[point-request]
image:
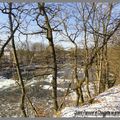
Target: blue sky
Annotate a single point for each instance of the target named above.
(34, 27)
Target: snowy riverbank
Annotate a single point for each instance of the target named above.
(106, 104)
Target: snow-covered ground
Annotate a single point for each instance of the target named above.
(6, 83)
(73, 95)
(106, 104)
(49, 87)
(31, 82)
(59, 80)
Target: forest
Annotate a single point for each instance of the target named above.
(57, 55)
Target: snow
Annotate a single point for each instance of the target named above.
(59, 80)
(61, 89)
(106, 102)
(49, 87)
(32, 83)
(73, 95)
(6, 83)
(48, 79)
(46, 87)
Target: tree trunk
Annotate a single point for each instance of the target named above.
(51, 45)
(79, 93)
(22, 106)
(99, 78)
(78, 84)
(87, 60)
(87, 82)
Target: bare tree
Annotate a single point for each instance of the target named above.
(109, 26)
(22, 105)
(49, 36)
(72, 38)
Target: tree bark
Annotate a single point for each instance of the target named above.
(79, 91)
(22, 106)
(87, 60)
(52, 48)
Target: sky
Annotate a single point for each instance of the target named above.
(34, 27)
